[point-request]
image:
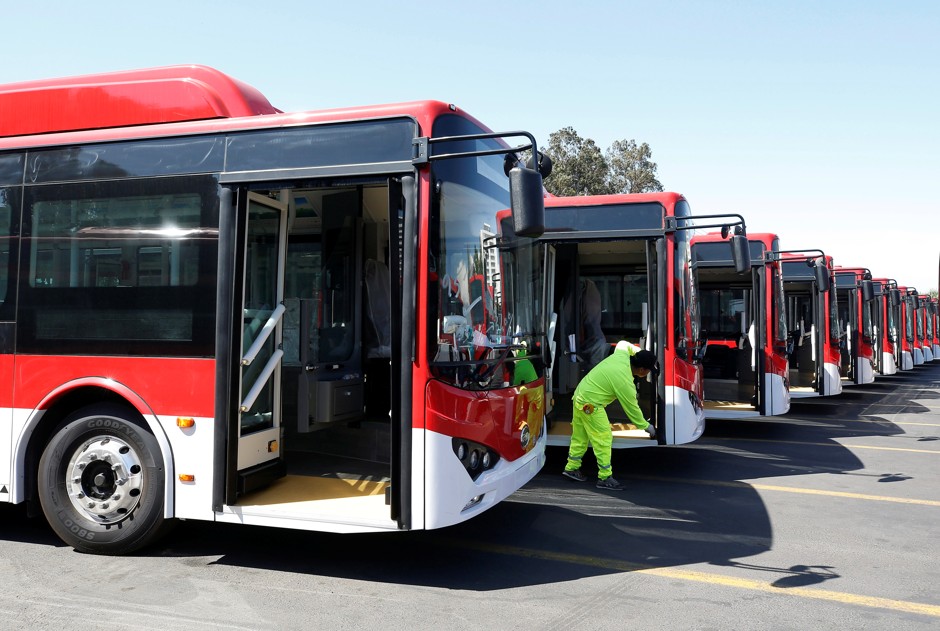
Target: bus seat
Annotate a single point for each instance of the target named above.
(376, 334)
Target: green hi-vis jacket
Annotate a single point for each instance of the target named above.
(612, 379)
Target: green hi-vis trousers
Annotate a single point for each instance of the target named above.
(590, 430)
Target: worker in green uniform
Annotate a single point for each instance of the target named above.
(611, 379)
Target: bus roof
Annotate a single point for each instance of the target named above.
(166, 101)
(133, 97)
(797, 255)
(667, 199)
(857, 271)
(768, 239)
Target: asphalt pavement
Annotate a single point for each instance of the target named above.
(823, 518)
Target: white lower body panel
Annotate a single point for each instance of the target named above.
(685, 422)
(864, 371)
(888, 365)
(832, 380)
(451, 496)
(907, 361)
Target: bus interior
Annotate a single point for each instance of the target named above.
(730, 311)
(803, 323)
(602, 295)
(333, 397)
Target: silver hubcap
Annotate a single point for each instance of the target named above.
(104, 479)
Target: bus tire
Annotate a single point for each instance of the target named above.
(101, 481)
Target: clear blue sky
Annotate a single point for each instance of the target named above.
(785, 112)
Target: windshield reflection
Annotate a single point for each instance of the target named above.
(486, 282)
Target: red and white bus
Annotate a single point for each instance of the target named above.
(813, 321)
(888, 317)
(856, 303)
(620, 269)
(214, 310)
(910, 353)
(933, 319)
(924, 327)
(744, 325)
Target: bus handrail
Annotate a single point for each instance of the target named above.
(262, 380)
(263, 336)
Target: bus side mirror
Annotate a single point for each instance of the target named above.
(868, 291)
(740, 253)
(527, 201)
(822, 277)
(894, 297)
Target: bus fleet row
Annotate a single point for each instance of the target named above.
(735, 340)
(365, 319)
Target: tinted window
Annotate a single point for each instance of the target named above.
(798, 270)
(11, 168)
(844, 281)
(166, 156)
(9, 206)
(324, 145)
(684, 294)
(120, 268)
(604, 218)
(720, 252)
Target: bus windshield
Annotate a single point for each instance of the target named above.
(485, 282)
(909, 319)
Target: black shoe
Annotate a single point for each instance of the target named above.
(609, 484)
(575, 474)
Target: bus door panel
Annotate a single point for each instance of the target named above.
(848, 319)
(7, 440)
(259, 387)
(800, 321)
(550, 313)
(331, 385)
(821, 338)
(757, 338)
(651, 393)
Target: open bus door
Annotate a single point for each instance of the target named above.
(321, 316)
(877, 324)
(548, 310)
(256, 423)
(756, 336)
(811, 301)
(603, 291)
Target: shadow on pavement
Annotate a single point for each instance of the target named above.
(683, 505)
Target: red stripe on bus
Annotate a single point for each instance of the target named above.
(168, 386)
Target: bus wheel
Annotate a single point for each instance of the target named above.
(101, 481)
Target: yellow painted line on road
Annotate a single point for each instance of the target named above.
(936, 452)
(791, 489)
(714, 579)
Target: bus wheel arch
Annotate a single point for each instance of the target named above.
(101, 480)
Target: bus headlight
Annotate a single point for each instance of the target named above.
(475, 457)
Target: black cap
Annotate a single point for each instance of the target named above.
(645, 359)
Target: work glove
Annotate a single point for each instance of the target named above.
(651, 431)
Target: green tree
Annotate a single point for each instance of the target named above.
(578, 167)
(630, 168)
